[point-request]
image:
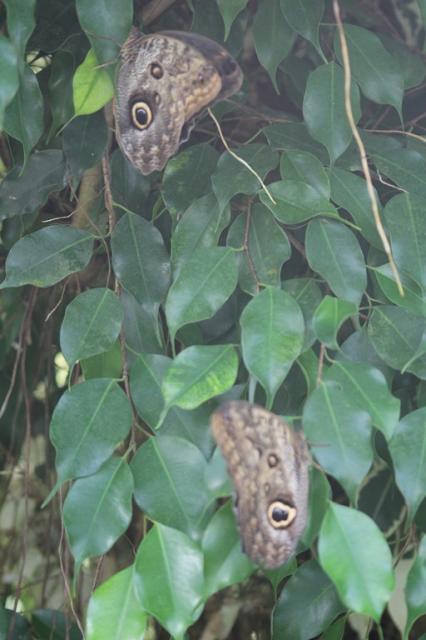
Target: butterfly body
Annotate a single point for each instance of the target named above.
(165, 81)
(268, 463)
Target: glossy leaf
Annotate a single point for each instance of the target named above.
(415, 589)
(333, 251)
(46, 256)
(405, 220)
(366, 389)
(8, 73)
(107, 24)
(140, 326)
(23, 118)
(128, 186)
(198, 228)
(23, 192)
(304, 17)
(224, 561)
(229, 10)
(413, 299)
(339, 435)
(259, 156)
(296, 202)
(169, 578)
(362, 573)
(91, 324)
(193, 426)
(273, 37)
(319, 496)
(20, 24)
(308, 295)
(84, 142)
(349, 191)
(169, 482)
(92, 86)
(272, 333)
(306, 606)
(408, 450)
(267, 248)
(305, 167)
(293, 135)
(98, 510)
(373, 67)
(329, 316)
(140, 260)
(146, 376)
(198, 374)
(114, 612)
(203, 284)
(324, 109)
(187, 177)
(87, 424)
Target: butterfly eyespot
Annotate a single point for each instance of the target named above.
(272, 460)
(157, 70)
(201, 78)
(141, 115)
(280, 514)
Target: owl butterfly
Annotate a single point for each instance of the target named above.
(165, 81)
(268, 463)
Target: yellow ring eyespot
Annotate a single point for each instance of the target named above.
(280, 514)
(141, 115)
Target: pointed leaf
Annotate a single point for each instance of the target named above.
(146, 376)
(329, 316)
(169, 578)
(296, 202)
(362, 573)
(304, 17)
(8, 74)
(92, 86)
(308, 295)
(305, 167)
(229, 10)
(415, 589)
(273, 37)
(272, 337)
(46, 256)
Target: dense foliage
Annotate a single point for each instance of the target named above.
(132, 306)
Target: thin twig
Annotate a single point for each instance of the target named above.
(361, 147)
(320, 364)
(252, 268)
(234, 155)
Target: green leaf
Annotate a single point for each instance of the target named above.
(324, 109)
(98, 510)
(140, 326)
(8, 74)
(267, 248)
(23, 119)
(140, 260)
(187, 177)
(408, 450)
(273, 38)
(203, 284)
(224, 561)
(198, 374)
(366, 389)
(413, 299)
(107, 24)
(339, 435)
(229, 10)
(46, 256)
(169, 578)
(304, 17)
(60, 89)
(193, 426)
(260, 157)
(336, 630)
(198, 228)
(104, 365)
(87, 424)
(84, 142)
(333, 251)
(405, 220)
(395, 334)
(146, 376)
(92, 86)
(406, 167)
(373, 67)
(296, 202)
(308, 295)
(306, 606)
(295, 136)
(91, 324)
(329, 316)
(415, 589)
(304, 167)
(20, 24)
(349, 191)
(128, 186)
(52, 624)
(169, 482)
(319, 496)
(362, 573)
(22, 192)
(272, 333)
(114, 612)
